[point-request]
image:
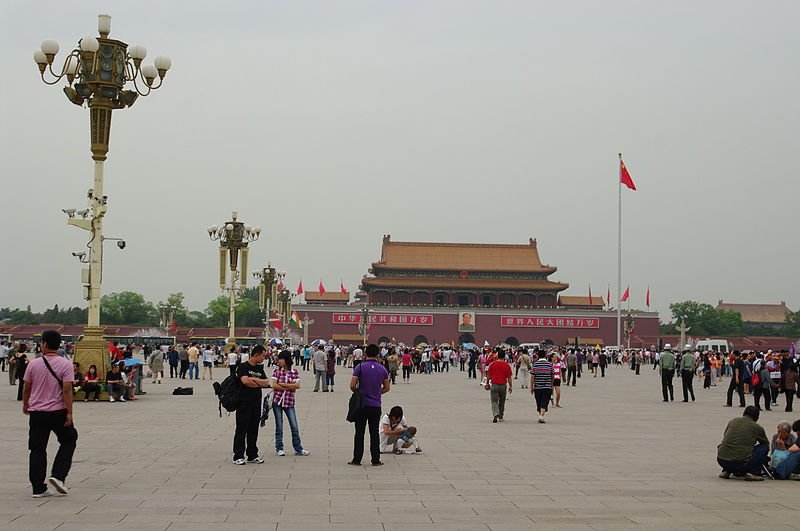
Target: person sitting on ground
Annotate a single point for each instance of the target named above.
(114, 383)
(744, 447)
(77, 384)
(129, 380)
(781, 442)
(789, 468)
(396, 434)
(90, 385)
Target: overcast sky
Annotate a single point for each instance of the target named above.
(332, 123)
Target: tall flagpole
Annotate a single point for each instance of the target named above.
(619, 258)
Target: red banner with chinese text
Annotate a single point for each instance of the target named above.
(401, 319)
(520, 321)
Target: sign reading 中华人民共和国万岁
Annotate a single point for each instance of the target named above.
(405, 319)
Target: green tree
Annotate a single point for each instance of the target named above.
(127, 307)
(706, 320)
(52, 315)
(247, 312)
(793, 324)
(23, 317)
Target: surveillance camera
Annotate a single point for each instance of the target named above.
(121, 244)
(68, 211)
(83, 213)
(79, 254)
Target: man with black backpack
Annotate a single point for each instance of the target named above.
(248, 410)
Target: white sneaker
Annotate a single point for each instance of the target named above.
(303, 452)
(110, 398)
(122, 399)
(58, 485)
(257, 461)
(280, 453)
(239, 462)
(45, 494)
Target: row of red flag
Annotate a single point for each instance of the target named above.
(624, 298)
(321, 288)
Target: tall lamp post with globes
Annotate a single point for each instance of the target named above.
(234, 237)
(104, 75)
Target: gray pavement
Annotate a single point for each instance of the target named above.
(614, 457)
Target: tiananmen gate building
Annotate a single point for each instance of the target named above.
(433, 293)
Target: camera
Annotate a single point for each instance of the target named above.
(121, 244)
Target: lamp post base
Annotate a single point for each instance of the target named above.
(231, 343)
(92, 350)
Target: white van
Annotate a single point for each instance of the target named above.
(529, 346)
(717, 345)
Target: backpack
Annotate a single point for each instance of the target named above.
(183, 391)
(228, 393)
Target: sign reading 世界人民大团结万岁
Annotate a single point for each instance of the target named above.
(404, 319)
(520, 321)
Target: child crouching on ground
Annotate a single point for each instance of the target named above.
(396, 435)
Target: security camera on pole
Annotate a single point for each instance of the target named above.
(97, 73)
(233, 236)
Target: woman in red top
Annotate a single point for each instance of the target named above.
(406, 362)
(90, 385)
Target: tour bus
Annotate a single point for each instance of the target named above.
(716, 345)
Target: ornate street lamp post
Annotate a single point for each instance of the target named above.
(97, 74)
(233, 236)
(363, 324)
(267, 292)
(284, 309)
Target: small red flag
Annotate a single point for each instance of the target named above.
(591, 301)
(300, 287)
(608, 296)
(275, 321)
(280, 286)
(647, 297)
(626, 294)
(624, 176)
(321, 288)
(342, 288)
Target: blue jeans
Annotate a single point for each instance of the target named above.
(427, 367)
(790, 465)
(193, 369)
(751, 466)
(292, 417)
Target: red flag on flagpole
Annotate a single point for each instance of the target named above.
(300, 287)
(647, 297)
(321, 287)
(591, 301)
(608, 296)
(280, 286)
(624, 176)
(341, 287)
(626, 294)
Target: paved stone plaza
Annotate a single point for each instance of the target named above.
(614, 457)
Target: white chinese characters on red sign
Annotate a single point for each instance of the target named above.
(548, 322)
(400, 319)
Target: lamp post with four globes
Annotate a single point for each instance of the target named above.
(97, 73)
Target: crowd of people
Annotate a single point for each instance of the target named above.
(745, 451)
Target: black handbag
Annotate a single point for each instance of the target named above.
(356, 407)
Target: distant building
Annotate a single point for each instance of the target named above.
(772, 315)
